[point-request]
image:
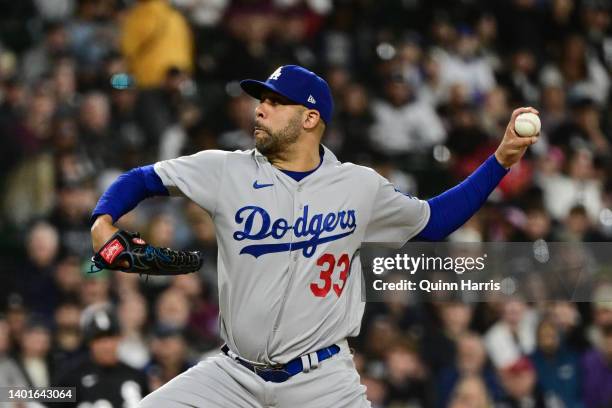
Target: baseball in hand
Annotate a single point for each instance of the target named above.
(527, 124)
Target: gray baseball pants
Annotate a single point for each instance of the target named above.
(222, 382)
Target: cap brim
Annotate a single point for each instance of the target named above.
(256, 88)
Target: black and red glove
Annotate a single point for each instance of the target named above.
(126, 251)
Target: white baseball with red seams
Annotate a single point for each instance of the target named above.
(527, 124)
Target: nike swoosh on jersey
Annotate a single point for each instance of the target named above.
(258, 186)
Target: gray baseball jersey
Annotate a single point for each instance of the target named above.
(289, 269)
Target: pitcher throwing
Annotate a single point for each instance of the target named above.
(290, 219)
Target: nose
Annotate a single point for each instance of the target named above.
(259, 111)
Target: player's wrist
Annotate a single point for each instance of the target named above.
(502, 160)
(101, 230)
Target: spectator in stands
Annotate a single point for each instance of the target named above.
(495, 109)
(203, 239)
(465, 65)
(240, 112)
(55, 10)
(95, 288)
(581, 72)
(127, 128)
(433, 90)
(132, 314)
(99, 377)
(519, 381)
(596, 367)
(513, 336)
(400, 179)
(522, 78)
(403, 124)
(10, 374)
(579, 227)
(92, 36)
(440, 341)
(154, 38)
(537, 224)
(248, 45)
(557, 368)
(470, 392)
(204, 313)
(158, 111)
(570, 324)
(602, 313)
(376, 391)
(467, 140)
(16, 98)
(38, 61)
(71, 215)
(94, 130)
(471, 362)
(202, 13)
(579, 186)
(354, 122)
(172, 309)
(36, 284)
(552, 107)
(68, 279)
(34, 358)
(67, 338)
(582, 128)
(596, 21)
(63, 81)
(169, 349)
(16, 318)
(29, 192)
(406, 376)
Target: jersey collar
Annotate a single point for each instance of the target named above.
(328, 157)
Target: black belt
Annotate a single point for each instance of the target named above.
(282, 372)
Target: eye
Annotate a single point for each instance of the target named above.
(270, 100)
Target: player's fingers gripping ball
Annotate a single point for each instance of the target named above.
(126, 251)
(527, 124)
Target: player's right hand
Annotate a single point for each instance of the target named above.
(512, 146)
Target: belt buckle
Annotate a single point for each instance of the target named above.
(268, 368)
(272, 373)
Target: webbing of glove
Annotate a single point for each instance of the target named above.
(143, 258)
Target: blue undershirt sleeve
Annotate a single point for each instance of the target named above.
(128, 190)
(454, 207)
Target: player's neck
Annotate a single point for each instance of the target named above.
(299, 158)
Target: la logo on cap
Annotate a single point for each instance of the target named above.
(311, 99)
(276, 74)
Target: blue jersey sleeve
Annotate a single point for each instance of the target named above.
(454, 207)
(127, 191)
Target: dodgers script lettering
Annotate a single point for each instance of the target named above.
(256, 224)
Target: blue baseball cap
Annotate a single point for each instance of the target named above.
(298, 85)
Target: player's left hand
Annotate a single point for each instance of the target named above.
(512, 146)
(127, 247)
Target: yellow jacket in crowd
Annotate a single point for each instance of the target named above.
(154, 38)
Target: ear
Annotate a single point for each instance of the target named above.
(311, 119)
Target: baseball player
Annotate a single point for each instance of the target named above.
(290, 219)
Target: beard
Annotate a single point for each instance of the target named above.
(273, 145)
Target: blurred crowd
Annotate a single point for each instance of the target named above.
(423, 92)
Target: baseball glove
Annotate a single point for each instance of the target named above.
(143, 258)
